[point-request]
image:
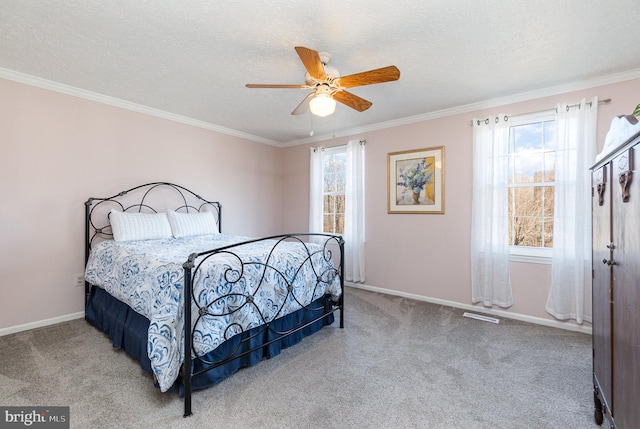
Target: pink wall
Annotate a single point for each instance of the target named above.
(428, 255)
(58, 150)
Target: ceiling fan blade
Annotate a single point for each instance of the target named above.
(261, 85)
(384, 74)
(351, 100)
(304, 106)
(312, 62)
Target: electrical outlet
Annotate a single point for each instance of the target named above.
(78, 280)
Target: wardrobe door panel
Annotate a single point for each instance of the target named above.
(626, 291)
(601, 209)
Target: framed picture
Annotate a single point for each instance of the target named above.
(415, 182)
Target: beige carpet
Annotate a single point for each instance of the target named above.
(398, 363)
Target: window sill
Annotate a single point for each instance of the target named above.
(531, 255)
(530, 259)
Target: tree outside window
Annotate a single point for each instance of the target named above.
(531, 184)
(335, 178)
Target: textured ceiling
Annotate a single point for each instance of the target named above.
(193, 57)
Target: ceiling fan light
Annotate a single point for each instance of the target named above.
(322, 105)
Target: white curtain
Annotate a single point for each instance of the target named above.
(354, 212)
(315, 189)
(354, 206)
(490, 270)
(570, 295)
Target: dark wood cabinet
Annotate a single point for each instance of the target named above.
(616, 277)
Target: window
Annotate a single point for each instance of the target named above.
(532, 203)
(531, 186)
(336, 200)
(333, 189)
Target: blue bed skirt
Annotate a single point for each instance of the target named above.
(128, 331)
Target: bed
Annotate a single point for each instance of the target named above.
(163, 283)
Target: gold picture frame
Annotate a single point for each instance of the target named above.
(415, 181)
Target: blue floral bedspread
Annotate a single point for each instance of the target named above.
(149, 277)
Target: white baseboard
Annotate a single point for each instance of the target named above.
(509, 315)
(570, 326)
(41, 323)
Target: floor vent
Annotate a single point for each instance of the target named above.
(481, 317)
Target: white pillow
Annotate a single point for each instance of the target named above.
(139, 226)
(188, 224)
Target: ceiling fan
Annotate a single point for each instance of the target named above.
(329, 86)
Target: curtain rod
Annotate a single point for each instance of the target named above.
(555, 109)
(362, 142)
(569, 106)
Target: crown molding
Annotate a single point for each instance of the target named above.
(487, 104)
(467, 108)
(116, 102)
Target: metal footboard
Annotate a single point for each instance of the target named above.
(323, 275)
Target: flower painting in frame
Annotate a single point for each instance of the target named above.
(416, 181)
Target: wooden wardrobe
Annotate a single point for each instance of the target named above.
(616, 276)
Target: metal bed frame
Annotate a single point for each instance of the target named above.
(97, 227)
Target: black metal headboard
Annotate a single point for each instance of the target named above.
(149, 198)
